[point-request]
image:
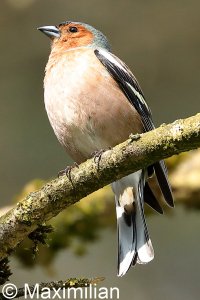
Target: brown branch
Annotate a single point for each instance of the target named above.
(137, 152)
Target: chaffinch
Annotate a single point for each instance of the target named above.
(94, 102)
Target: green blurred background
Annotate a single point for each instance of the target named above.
(160, 41)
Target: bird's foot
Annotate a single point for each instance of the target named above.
(134, 137)
(67, 171)
(98, 154)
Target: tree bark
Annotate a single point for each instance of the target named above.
(139, 151)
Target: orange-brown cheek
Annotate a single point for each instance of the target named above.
(81, 41)
(76, 41)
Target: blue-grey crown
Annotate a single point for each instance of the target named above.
(100, 40)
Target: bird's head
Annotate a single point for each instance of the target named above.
(68, 35)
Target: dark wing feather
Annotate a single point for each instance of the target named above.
(162, 178)
(150, 199)
(130, 87)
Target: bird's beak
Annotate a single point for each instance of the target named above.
(50, 31)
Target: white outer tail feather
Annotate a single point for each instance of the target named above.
(127, 249)
(133, 239)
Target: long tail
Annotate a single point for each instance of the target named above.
(134, 244)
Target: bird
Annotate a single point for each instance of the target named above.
(94, 102)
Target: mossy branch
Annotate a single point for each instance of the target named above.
(137, 152)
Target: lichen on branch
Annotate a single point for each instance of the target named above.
(137, 152)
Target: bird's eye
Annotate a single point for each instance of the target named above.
(73, 29)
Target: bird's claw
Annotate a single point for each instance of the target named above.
(98, 154)
(67, 171)
(134, 137)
